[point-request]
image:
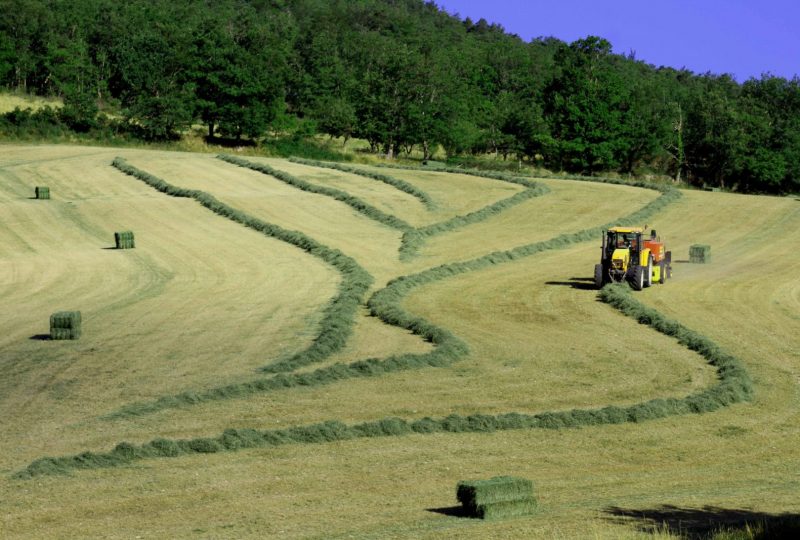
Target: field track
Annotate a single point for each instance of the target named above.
(203, 302)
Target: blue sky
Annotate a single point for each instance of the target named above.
(739, 37)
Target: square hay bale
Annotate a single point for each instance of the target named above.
(496, 498)
(65, 325)
(124, 240)
(42, 192)
(699, 253)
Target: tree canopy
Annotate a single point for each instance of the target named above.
(400, 74)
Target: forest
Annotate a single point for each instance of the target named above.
(402, 75)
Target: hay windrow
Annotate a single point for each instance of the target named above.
(413, 240)
(386, 305)
(338, 316)
(402, 185)
(733, 386)
(353, 202)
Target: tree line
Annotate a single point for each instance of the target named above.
(400, 74)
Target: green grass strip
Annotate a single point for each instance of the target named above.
(353, 202)
(385, 304)
(338, 316)
(412, 240)
(733, 386)
(402, 185)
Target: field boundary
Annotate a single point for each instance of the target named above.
(497, 174)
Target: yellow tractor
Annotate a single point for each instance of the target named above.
(628, 254)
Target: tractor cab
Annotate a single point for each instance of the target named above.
(621, 251)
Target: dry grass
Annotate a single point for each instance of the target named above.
(9, 102)
(207, 301)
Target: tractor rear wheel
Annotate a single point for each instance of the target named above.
(599, 278)
(638, 278)
(662, 276)
(648, 277)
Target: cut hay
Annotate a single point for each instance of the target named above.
(124, 240)
(65, 325)
(496, 498)
(42, 192)
(699, 253)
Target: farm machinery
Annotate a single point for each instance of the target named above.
(629, 254)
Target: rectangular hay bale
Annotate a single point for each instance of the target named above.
(699, 253)
(498, 497)
(42, 192)
(506, 509)
(124, 240)
(65, 325)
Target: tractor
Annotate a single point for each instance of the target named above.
(628, 254)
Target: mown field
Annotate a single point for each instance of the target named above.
(275, 304)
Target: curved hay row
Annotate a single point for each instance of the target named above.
(734, 386)
(402, 185)
(734, 382)
(413, 238)
(336, 325)
(354, 202)
(384, 304)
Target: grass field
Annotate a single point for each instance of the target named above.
(203, 302)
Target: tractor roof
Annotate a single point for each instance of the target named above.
(626, 229)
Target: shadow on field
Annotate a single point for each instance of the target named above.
(580, 283)
(451, 511)
(702, 523)
(228, 142)
(40, 337)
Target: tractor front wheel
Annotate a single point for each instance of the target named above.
(599, 276)
(662, 275)
(638, 278)
(648, 277)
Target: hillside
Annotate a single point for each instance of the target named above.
(223, 318)
(403, 76)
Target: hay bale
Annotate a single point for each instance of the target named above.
(42, 192)
(498, 497)
(124, 240)
(506, 509)
(699, 253)
(65, 325)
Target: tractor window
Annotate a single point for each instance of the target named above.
(622, 240)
